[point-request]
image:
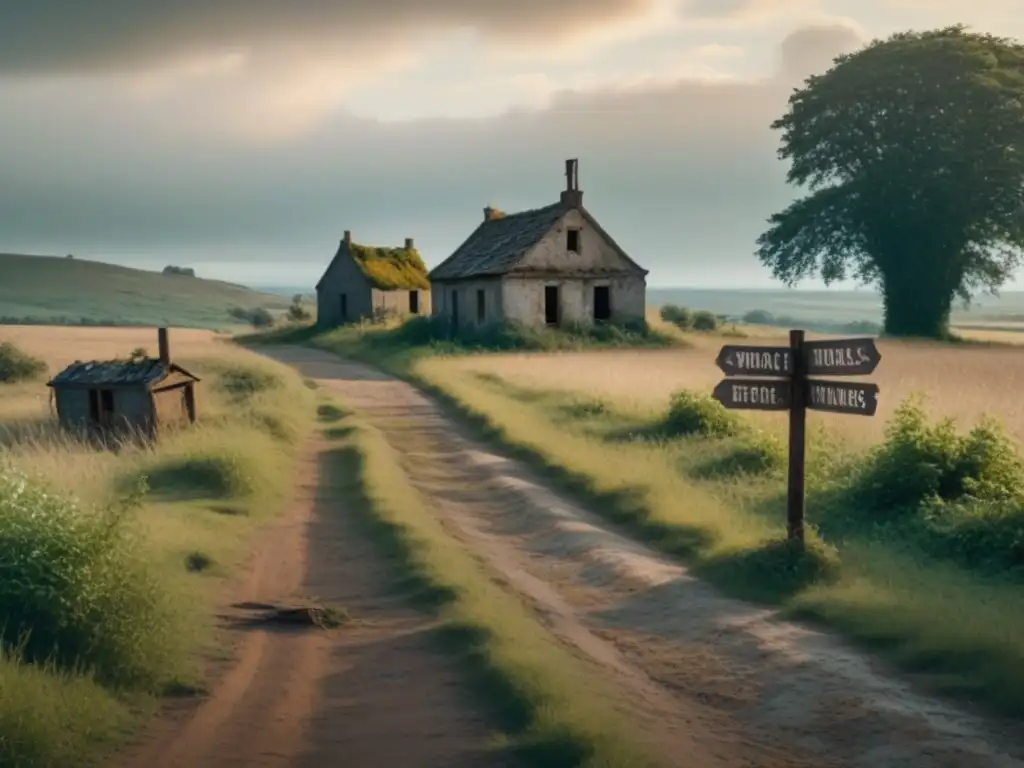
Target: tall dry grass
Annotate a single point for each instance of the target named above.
(962, 381)
(207, 488)
(934, 584)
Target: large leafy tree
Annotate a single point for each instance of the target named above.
(912, 150)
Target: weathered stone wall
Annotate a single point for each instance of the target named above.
(468, 291)
(596, 254)
(343, 277)
(523, 299)
(398, 303)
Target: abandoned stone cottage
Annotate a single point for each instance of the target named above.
(553, 266)
(365, 281)
(122, 397)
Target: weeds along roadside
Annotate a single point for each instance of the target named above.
(113, 558)
(934, 584)
(931, 583)
(551, 711)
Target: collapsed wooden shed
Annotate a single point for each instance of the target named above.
(122, 397)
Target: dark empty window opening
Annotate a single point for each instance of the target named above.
(101, 405)
(344, 307)
(551, 304)
(481, 305)
(455, 309)
(572, 240)
(602, 302)
(414, 302)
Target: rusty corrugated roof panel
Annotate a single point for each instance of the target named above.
(142, 372)
(496, 245)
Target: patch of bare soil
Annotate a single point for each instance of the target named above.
(308, 685)
(716, 681)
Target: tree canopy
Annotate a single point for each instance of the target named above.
(912, 150)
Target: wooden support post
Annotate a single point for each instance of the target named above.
(797, 438)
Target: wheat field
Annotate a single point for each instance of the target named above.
(959, 381)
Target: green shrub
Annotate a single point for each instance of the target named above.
(241, 381)
(75, 591)
(261, 318)
(17, 365)
(704, 321)
(678, 316)
(778, 567)
(691, 413)
(201, 476)
(759, 317)
(297, 313)
(757, 454)
(923, 463)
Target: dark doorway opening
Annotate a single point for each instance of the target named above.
(551, 304)
(602, 302)
(414, 302)
(455, 309)
(481, 305)
(572, 240)
(101, 406)
(344, 307)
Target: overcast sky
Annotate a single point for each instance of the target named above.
(242, 137)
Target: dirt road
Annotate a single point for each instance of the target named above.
(715, 681)
(376, 694)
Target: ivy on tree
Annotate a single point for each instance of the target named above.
(912, 150)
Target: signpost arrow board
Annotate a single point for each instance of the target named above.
(755, 361)
(753, 394)
(841, 357)
(842, 397)
(786, 387)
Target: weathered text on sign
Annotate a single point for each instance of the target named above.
(841, 357)
(842, 397)
(753, 394)
(737, 360)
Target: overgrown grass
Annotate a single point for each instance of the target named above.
(108, 558)
(396, 344)
(16, 365)
(905, 574)
(553, 713)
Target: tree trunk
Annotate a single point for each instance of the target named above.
(917, 305)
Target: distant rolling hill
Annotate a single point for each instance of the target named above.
(49, 289)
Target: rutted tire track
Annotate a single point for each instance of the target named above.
(705, 674)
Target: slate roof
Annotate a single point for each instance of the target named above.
(496, 245)
(142, 372)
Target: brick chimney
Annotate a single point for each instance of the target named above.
(572, 196)
(409, 244)
(163, 345)
(348, 237)
(488, 213)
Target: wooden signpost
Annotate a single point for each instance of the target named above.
(777, 379)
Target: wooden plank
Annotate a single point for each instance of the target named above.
(753, 394)
(842, 357)
(745, 360)
(849, 397)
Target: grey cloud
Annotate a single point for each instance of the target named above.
(717, 8)
(72, 36)
(812, 49)
(684, 175)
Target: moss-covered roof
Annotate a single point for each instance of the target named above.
(390, 269)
